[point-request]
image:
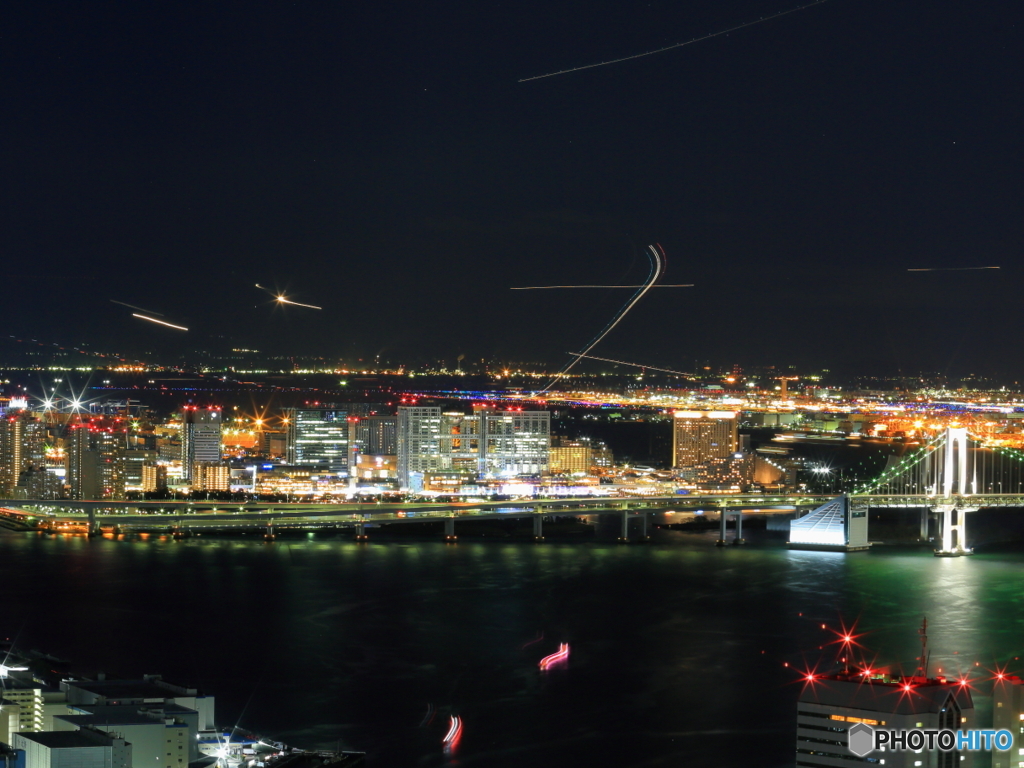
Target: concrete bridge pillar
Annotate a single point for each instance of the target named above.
(723, 518)
(449, 530)
(361, 532)
(925, 514)
(953, 530)
(739, 529)
(538, 527)
(643, 527)
(624, 534)
(93, 528)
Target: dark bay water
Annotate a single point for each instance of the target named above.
(677, 647)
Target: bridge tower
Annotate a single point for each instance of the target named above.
(957, 486)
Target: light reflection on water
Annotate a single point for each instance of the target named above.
(678, 648)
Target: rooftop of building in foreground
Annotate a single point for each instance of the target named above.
(878, 691)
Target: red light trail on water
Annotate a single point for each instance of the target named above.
(559, 656)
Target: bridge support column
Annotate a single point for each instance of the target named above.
(739, 529)
(361, 532)
(925, 514)
(538, 528)
(624, 535)
(723, 518)
(94, 528)
(643, 527)
(953, 530)
(449, 530)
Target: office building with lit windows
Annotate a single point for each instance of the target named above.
(831, 704)
(200, 437)
(1008, 714)
(482, 445)
(699, 436)
(319, 436)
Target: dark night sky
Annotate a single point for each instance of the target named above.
(381, 160)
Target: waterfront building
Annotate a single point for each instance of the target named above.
(1008, 714)
(22, 439)
(128, 470)
(211, 476)
(200, 437)
(73, 749)
(154, 477)
(319, 436)
(89, 453)
(159, 734)
(699, 436)
(483, 445)
(570, 457)
(829, 705)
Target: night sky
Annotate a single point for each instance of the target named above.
(382, 161)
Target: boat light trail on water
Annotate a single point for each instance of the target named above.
(161, 322)
(454, 731)
(561, 655)
(623, 362)
(132, 306)
(948, 269)
(548, 287)
(657, 254)
(676, 45)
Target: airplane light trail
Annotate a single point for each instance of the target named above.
(161, 322)
(547, 287)
(132, 306)
(676, 45)
(948, 269)
(623, 362)
(658, 254)
(283, 300)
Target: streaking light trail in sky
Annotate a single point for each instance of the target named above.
(657, 254)
(676, 45)
(948, 269)
(623, 362)
(161, 322)
(132, 306)
(283, 300)
(548, 287)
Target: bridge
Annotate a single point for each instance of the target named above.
(948, 477)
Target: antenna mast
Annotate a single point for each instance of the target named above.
(922, 668)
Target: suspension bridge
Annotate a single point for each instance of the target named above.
(950, 476)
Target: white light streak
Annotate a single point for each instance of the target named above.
(623, 362)
(132, 306)
(677, 45)
(548, 287)
(283, 300)
(161, 322)
(657, 253)
(948, 269)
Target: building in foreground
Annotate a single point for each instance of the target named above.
(86, 748)
(829, 705)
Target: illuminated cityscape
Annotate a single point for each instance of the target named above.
(358, 360)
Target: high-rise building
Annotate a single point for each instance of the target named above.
(829, 705)
(699, 436)
(485, 444)
(418, 442)
(128, 469)
(89, 455)
(154, 477)
(376, 434)
(1008, 714)
(200, 437)
(319, 436)
(22, 438)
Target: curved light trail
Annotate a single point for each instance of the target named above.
(658, 255)
(677, 45)
(561, 655)
(160, 322)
